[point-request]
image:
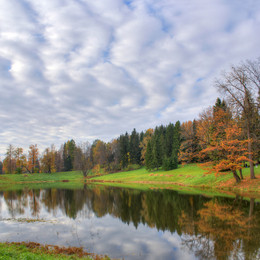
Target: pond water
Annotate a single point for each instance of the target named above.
(132, 224)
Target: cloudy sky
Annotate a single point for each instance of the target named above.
(87, 69)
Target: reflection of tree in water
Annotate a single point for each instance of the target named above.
(211, 228)
(15, 201)
(225, 229)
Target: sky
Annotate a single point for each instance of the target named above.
(86, 70)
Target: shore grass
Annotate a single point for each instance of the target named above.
(187, 177)
(35, 251)
(191, 177)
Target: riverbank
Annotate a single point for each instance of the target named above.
(35, 251)
(189, 177)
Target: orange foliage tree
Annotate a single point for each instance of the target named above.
(226, 147)
(33, 158)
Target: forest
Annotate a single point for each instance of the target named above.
(224, 137)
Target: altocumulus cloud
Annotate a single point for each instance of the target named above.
(94, 69)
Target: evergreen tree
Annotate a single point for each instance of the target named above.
(156, 152)
(149, 156)
(124, 150)
(134, 149)
(169, 139)
(176, 145)
(69, 149)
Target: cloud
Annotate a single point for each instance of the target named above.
(84, 70)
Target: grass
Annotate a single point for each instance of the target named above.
(190, 177)
(35, 251)
(186, 177)
(73, 179)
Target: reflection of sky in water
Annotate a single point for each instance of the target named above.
(106, 235)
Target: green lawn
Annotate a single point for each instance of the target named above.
(34, 251)
(190, 176)
(73, 179)
(186, 177)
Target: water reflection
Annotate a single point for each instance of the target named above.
(135, 224)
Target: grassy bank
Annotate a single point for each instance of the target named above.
(72, 179)
(189, 178)
(35, 251)
(186, 177)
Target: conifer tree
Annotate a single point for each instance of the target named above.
(149, 156)
(169, 139)
(134, 149)
(176, 145)
(124, 150)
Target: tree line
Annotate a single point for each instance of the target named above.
(225, 137)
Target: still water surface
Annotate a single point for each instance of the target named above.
(132, 224)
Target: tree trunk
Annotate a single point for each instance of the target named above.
(236, 176)
(241, 174)
(252, 172)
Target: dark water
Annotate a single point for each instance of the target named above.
(131, 224)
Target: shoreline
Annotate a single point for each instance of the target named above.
(188, 177)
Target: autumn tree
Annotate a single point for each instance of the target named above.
(1, 167)
(186, 151)
(113, 156)
(83, 160)
(59, 163)
(190, 147)
(99, 153)
(33, 158)
(241, 86)
(9, 163)
(143, 144)
(20, 158)
(48, 160)
(226, 147)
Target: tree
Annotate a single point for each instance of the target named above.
(124, 150)
(169, 139)
(20, 158)
(149, 156)
(134, 149)
(83, 160)
(48, 160)
(113, 150)
(9, 163)
(186, 148)
(99, 153)
(241, 86)
(59, 163)
(33, 158)
(176, 145)
(1, 167)
(229, 151)
(68, 154)
(143, 145)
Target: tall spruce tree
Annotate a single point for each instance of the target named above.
(134, 148)
(124, 150)
(176, 145)
(156, 152)
(169, 139)
(149, 156)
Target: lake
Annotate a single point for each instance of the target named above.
(133, 224)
